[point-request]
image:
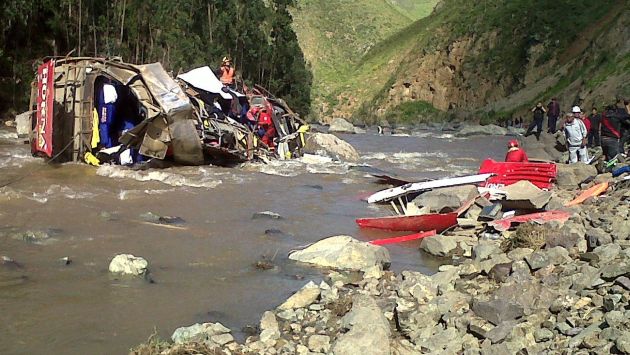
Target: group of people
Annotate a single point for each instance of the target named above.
(258, 118)
(610, 130)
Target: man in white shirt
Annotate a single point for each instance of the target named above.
(576, 136)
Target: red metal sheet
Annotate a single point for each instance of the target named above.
(44, 115)
(404, 238)
(539, 217)
(425, 222)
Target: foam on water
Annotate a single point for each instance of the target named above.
(133, 194)
(173, 176)
(16, 159)
(54, 191)
(313, 164)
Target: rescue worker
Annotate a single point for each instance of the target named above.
(553, 112)
(266, 130)
(515, 154)
(576, 133)
(539, 115)
(227, 73)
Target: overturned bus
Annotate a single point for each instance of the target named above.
(104, 110)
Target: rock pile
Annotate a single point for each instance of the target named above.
(557, 288)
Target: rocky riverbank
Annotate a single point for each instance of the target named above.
(553, 288)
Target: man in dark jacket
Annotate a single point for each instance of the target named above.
(539, 116)
(553, 111)
(593, 133)
(611, 126)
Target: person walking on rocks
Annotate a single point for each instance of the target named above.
(553, 112)
(576, 134)
(611, 129)
(539, 116)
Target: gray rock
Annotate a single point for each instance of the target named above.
(519, 253)
(446, 198)
(330, 145)
(525, 195)
(339, 125)
(476, 130)
(497, 311)
(623, 343)
(500, 272)
(614, 270)
(319, 343)
(569, 235)
(23, 123)
(614, 318)
(542, 258)
(303, 298)
(343, 252)
(266, 215)
(597, 237)
(607, 253)
(501, 331)
(369, 330)
(485, 249)
(198, 332)
(570, 175)
(623, 282)
(128, 264)
(222, 339)
(439, 245)
(542, 335)
(64, 261)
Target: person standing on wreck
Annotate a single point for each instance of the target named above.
(539, 116)
(227, 73)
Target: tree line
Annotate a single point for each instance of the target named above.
(182, 34)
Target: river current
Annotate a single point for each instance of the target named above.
(202, 269)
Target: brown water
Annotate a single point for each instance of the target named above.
(202, 271)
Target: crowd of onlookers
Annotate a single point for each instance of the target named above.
(609, 129)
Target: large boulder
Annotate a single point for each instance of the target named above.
(570, 175)
(488, 130)
(128, 264)
(23, 123)
(339, 125)
(330, 145)
(344, 253)
(525, 195)
(200, 333)
(450, 198)
(368, 329)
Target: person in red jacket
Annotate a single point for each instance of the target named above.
(515, 154)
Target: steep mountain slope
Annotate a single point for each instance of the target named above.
(335, 35)
(414, 9)
(491, 59)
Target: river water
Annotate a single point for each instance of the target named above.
(203, 268)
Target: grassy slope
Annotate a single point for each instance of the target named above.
(335, 35)
(520, 24)
(414, 9)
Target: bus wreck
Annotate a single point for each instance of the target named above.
(100, 110)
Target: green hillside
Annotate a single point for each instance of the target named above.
(335, 35)
(491, 59)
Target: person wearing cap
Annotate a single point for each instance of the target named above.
(576, 134)
(539, 116)
(515, 154)
(227, 72)
(553, 112)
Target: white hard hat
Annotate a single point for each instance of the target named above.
(576, 109)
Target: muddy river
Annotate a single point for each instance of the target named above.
(202, 268)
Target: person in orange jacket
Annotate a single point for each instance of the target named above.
(227, 73)
(515, 154)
